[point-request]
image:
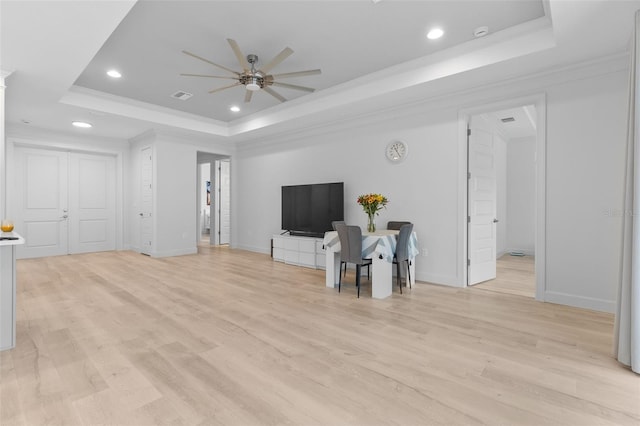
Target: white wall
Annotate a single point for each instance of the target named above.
(521, 195)
(502, 197)
(175, 191)
(586, 127)
(175, 198)
(422, 189)
(585, 150)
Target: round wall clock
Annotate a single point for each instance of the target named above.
(396, 151)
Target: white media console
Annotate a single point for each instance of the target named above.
(300, 251)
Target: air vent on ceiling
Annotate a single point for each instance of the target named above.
(507, 119)
(183, 96)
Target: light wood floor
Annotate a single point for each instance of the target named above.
(231, 338)
(514, 275)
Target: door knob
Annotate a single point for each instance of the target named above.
(141, 214)
(64, 216)
(495, 221)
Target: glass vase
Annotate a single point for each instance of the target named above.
(371, 224)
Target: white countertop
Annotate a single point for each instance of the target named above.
(20, 240)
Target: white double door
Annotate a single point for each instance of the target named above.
(64, 202)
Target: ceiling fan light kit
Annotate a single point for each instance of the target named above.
(254, 80)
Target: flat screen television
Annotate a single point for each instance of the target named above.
(308, 210)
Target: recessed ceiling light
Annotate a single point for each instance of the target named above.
(82, 124)
(435, 33)
(235, 108)
(114, 74)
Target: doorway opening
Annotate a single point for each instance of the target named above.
(213, 204)
(504, 197)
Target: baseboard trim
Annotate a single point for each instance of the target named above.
(524, 251)
(580, 301)
(254, 249)
(170, 253)
(446, 280)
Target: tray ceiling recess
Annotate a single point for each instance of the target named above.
(254, 80)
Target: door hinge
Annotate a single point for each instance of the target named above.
(468, 262)
(468, 131)
(468, 219)
(468, 175)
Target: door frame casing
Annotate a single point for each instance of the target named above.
(213, 159)
(13, 142)
(464, 115)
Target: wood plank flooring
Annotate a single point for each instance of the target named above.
(228, 337)
(514, 275)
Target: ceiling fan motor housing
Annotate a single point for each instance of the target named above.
(252, 80)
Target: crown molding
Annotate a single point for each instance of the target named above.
(523, 86)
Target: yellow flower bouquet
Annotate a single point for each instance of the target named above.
(372, 203)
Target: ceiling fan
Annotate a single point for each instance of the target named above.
(252, 79)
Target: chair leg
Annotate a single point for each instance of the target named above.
(398, 277)
(345, 269)
(358, 279)
(340, 278)
(409, 273)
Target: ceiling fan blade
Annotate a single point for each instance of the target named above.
(293, 86)
(223, 88)
(297, 74)
(242, 60)
(274, 94)
(286, 52)
(209, 62)
(208, 76)
(247, 96)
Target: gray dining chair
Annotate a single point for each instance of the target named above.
(333, 225)
(351, 251)
(337, 222)
(402, 253)
(395, 225)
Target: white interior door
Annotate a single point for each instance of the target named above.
(225, 202)
(146, 200)
(481, 207)
(92, 202)
(40, 202)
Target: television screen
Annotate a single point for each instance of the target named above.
(310, 209)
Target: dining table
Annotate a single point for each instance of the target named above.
(380, 247)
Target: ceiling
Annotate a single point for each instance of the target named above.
(347, 39)
(523, 125)
(373, 56)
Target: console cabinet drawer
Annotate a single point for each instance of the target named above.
(300, 251)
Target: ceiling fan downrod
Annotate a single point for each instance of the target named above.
(254, 80)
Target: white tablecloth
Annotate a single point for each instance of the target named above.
(381, 243)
